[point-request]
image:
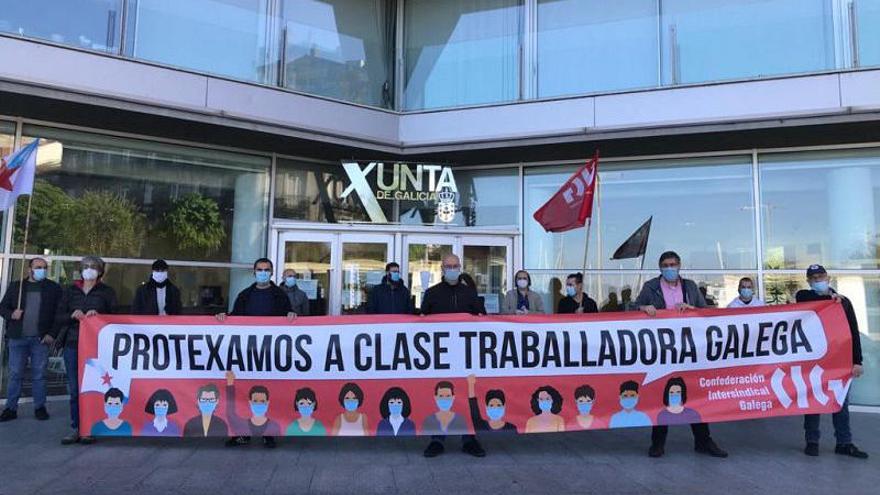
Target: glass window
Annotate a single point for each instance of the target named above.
(701, 208)
(88, 24)
(461, 52)
(316, 192)
(821, 207)
(7, 139)
(864, 293)
(341, 48)
(136, 199)
(589, 46)
(709, 40)
(224, 37)
(868, 29)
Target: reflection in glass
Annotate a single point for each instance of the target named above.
(461, 52)
(225, 37)
(702, 209)
(363, 266)
(87, 24)
(588, 46)
(312, 263)
(821, 207)
(128, 198)
(863, 291)
(710, 40)
(488, 267)
(341, 49)
(868, 29)
(424, 269)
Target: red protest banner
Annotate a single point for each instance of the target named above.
(402, 375)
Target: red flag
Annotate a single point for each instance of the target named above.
(572, 205)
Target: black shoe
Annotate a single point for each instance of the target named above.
(237, 441)
(86, 440)
(71, 439)
(710, 448)
(269, 442)
(8, 415)
(656, 450)
(850, 450)
(41, 414)
(473, 448)
(434, 449)
(812, 449)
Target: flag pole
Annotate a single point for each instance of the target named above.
(587, 245)
(27, 226)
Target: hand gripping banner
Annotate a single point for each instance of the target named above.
(454, 374)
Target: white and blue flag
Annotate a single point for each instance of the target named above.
(17, 174)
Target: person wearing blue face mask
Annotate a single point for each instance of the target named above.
(495, 410)
(112, 425)
(821, 290)
(299, 301)
(306, 403)
(584, 399)
(395, 408)
(445, 421)
(576, 300)
(206, 423)
(263, 297)
(29, 308)
(391, 296)
(747, 297)
(628, 416)
(160, 405)
(351, 423)
(675, 398)
(450, 295)
(258, 424)
(546, 403)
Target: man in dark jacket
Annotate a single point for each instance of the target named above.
(391, 296)
(30, 330)
(451, 296)
(820, 290)
(262, 298)
(83, 299)
(157, 296)
(299, 301)
(670, 291)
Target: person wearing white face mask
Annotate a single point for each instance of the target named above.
(747, 297)
(157, 296)
(522, 300)
(83, 299)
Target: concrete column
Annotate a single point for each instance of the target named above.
(249, 224)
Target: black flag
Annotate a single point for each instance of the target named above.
(636, 245)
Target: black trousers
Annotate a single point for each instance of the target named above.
(700, 431)
(464, 438)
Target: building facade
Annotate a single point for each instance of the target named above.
(336, 135)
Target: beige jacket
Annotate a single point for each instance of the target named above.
(536, 304)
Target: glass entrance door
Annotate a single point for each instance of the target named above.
(487, 259)
(363, 265)
(311, 256)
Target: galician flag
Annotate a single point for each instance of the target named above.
(17, 174)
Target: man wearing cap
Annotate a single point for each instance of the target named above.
(158, 295)
(820, 290)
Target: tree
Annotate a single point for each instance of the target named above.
(106, 223)
(49, 226)
(194, 223)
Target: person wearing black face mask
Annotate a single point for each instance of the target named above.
(391, 296)
(158, 295)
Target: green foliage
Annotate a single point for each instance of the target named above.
(194, 223)
(50, 210)
(106, 223)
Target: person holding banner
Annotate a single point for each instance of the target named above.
(158, 295)
(451, 296)
(390, 297)
(671, 291)
(30, 330)
(83, 299)
(575, 300)
(820, 290)
(747, 297)
(522, 300)
(261, 298)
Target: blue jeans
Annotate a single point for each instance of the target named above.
(841, 426)
(71, 366)
(20, 350)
